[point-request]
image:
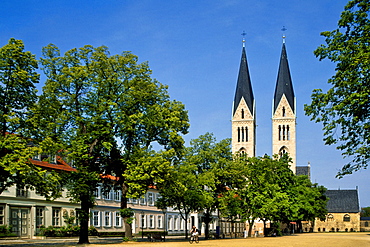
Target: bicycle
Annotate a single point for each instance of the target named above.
(194, 238)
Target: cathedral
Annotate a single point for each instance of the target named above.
(283, 112)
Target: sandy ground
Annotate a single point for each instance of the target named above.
(302, 240)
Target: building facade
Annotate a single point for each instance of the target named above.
(343, 212)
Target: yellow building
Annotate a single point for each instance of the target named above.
(343, 212)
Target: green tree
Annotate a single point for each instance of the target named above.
(213, 161)
(309, 201)
(71, 113)
(265, 195)
(107, 112)
(180, 190)
(18, 77)
(344, 108)
(365, 212)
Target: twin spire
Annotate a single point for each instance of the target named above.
(284, 85)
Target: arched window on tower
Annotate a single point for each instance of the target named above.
(238, 134)
(242, 134)
(283, 112)
(284, 133)
(242, 113)
(287, 133)
(246, 133)
(279, 130)
(242, 152)
(282, 151)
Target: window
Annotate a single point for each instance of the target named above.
(117, 195)
(107, 195)
(96, 218)
(2, 214)
(39, 216)
(21, 192)
(160, 221)
(107, 219)
(283, 112)
(169, 223)
(246, 134)
(151, 221)
(366, 223)
(176, 223)
(150, 199)
(242, 113)
(279, 131)
(97, 193)
(346, 218)
(238, 134)
(56, 217)
(288, 133)
(52, 158)
(142, 220)
(330, 217)
(134, 201)
(143, 200)
(117, 219)
(37, 157)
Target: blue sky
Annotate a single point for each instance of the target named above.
(194, 47)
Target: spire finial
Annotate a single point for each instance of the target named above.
(243, 34)
(283, 29)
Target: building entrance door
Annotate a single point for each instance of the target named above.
(20, 221)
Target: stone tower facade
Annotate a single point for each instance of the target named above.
(284, 113)
(244, 112)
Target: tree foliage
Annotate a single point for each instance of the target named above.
(204, 172)
(18, 77)
(365, 212)
(106, 112)
(344, 108)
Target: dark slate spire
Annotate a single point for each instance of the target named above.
(284, 83)
(244, 85)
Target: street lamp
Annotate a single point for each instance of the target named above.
(164, 211)
(142, 223)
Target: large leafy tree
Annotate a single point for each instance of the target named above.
(205, 171)
(344, 108)
(309, 201)
(265, 196)
(69, 113)
(213, 164)
(180, 190)
(107, 111)
(18, 77)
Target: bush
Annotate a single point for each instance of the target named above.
(6, 231)
(93, 231)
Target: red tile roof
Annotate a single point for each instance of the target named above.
(60, 165)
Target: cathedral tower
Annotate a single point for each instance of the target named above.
(243, 112)
(284, 112)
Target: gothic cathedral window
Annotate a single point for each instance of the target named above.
(238, 134)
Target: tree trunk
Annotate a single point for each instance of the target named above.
(207, 220)
(128, 227)
(250, 222)
(84, 220)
